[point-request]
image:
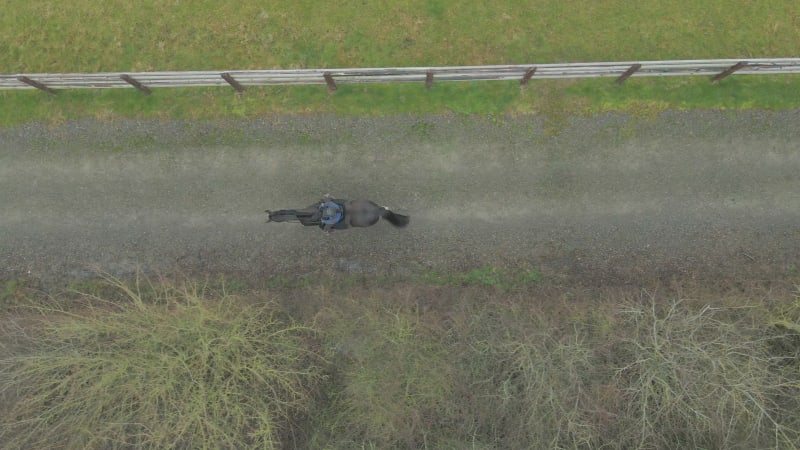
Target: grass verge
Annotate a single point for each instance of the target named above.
(94, 35)
(402, 365)
(550, 98)
(114, 35)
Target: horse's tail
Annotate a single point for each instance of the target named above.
(397, 220)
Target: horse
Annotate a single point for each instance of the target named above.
(354, 213)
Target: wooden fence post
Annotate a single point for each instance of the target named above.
(142, 88)
(729, 70)
(428, 79)
(527, 77)
(627, 74)
(329, 81)
(36, 84)
(235, 84)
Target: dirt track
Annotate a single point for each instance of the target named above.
(609, 199)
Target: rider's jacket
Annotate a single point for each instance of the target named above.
(332, 213)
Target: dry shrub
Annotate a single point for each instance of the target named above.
(394, 382)
(176, 371)
(534, 369)
(693, 379)
(408, 366)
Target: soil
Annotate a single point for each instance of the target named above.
(605, 200)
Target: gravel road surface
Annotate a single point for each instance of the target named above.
(607, 199)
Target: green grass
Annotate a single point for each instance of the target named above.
(10, 292)
(116, 35)
(504, 279)
(637, 95)
(95, 36)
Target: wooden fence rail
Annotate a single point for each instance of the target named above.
(239, 80)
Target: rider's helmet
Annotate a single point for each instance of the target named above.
(331, 212)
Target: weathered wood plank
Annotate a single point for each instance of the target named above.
(235, 84)
(627, 74)
(36, 84)
(527, 77)
(738, 66)
(329, 81)
(133, 82)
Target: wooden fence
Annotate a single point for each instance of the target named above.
(715, 69)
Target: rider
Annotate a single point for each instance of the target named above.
(332, 213)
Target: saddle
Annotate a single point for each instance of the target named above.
(333, 213)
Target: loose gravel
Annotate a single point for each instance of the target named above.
(607, 199)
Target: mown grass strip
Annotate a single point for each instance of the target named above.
(93, 35)
(546, 97)
(116, 35)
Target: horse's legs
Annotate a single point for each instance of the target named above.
(306, 216)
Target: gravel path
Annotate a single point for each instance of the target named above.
(609, 199)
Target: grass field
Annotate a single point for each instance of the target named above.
(123, 36)
(470, 362)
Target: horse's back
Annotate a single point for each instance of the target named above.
(362, 206)
(362, 213)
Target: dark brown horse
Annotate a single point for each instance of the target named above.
(351, 213)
